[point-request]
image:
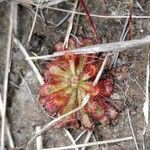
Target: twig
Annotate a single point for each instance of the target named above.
(79, 136)
(122, 38)
(88, 136)
(15, 17)
(139, 5)
(146, 103)
(114, 47)
(34, 20)
(76, 24)
(125, 31)
(39, 143)
(71, 138)
(131, 127)
(7, 70)
(8, 133)
(94, 139)
(90, 20)
(53, 2)
(98, 16)
(143, 140)
(92, 144)
(59, 23)
(31, 10)
(99, 74)
(84, 102)
(70, 25)
(30, 62)
(130, 19)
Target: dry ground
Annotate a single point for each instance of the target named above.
(23, 111)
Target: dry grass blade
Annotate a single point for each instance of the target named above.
(122, 38)
(126, 30)
(94, 139)
(30, 62)
(61, 22)
(92, 144)
(109, 47)
(139, 5)
(71, 138)
(70, 25)
(98, 16)
(7, 70)
(8, 133)
(34, 21)
(39, 142)
(80, 135)
(146, 104)
(84, 102)
(132, 130)
(52, 2)
(88, 136)
(53, 122)
(15, 17)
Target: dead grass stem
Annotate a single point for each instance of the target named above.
(6, 75)
(98, 16)
(70, 25)
(30, 62)
(92, 143)
(108, 47)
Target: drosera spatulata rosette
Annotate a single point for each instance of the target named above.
(67, 81)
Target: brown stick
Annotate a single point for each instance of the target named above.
(130, 19)
(90, 20)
